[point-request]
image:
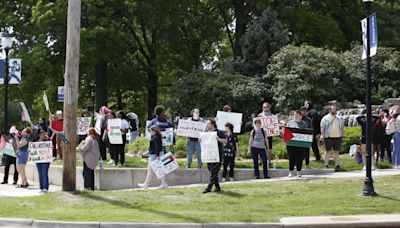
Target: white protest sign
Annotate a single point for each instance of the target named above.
(270, 124)
(6, 148)
(41, 152)
(83, 124)
(209, 147)
(231, 117)
(158, 168)
(190, 128)
(148, 133)
(114, 131)
(46, 101)
(26, 116)
(168, 137)
(97, 125)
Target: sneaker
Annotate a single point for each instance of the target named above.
(223, 179)
(162, 186)
(217, 189)
(45, 190)
(308, 167)
(143, 185)
(207, 190)
(4, 182)
(111, 162)
(231, 179)
(299, 174)
(337, 168)
(373, 167)
(364, 168)
(290, 174)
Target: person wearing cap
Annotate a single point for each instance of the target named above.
(155, 152)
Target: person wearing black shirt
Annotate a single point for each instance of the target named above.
(315, 120)
(230, 152)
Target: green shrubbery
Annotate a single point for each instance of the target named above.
(351, 136)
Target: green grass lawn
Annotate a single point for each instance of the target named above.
(245, 202)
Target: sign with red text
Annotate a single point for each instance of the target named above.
(270, 124)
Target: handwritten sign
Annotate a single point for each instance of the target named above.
(168, 137)
(7, 150)
(41, 152)
(190, 128)
(165, 165)
(114, 131)
(231, 117)
(209, 147)
(270, 124)
(83, 124)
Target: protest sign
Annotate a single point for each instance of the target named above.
(57, 126)
(168, 137)
(83, 124)
(270, 124)
(114, 131)
(6, 148)
(148, 133)
(41, 152)
(26, 116)
(209, 147)
(189, 128)
(46, 102)
(231, 117)
(165, 165)
(97, 125)
(298, 137)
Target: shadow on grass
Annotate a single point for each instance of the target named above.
(231, 194)
(132, 206)
(388, 198)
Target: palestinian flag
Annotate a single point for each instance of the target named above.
(298, 137)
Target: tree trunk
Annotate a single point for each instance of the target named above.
(101, 76)
(241, 23)
(152, 87)
(71, 86)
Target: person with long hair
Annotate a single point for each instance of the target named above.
(23, 154)
(90, 154)
(386, 144)
(120, 152)
(296, 153)
(43, 168)
(231, 152)
(193, 143)
(155, 152)
(258, 147)
(215, 167)
(113, 148)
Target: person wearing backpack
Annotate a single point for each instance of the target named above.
(133, 120)
(258, 146)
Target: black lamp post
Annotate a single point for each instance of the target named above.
(368, 182)
(6, 42)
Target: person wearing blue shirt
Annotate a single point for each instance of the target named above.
(215, 167)
(161, 119)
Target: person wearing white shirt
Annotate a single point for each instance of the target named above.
(120, 151)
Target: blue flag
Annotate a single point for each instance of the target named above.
(373, 36)
(1, 70)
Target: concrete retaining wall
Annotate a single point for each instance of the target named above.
(127, 178)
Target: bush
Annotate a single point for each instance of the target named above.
(351, 136)
(140, 145)
(180, 147)
(278, 149)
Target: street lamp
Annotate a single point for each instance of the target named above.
(368, 182)
(6, 42)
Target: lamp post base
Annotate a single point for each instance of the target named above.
(369, 187)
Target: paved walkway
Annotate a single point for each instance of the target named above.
(9, 190)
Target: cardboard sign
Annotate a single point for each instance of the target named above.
(190, 128)
(209, 147)
(168, 137)
(270, 124)
(26, 116)
(57, 126)
(46, 101)
(97, 125)
(41, 152)
(83, 125)
(231, 117)
(114, 131)
(6, 148)
(165, 165)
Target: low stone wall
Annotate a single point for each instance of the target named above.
(128, 178)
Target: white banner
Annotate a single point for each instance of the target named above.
(97, 125)
(190, 128)
(41, 152)
(270, 124)
(46, 101)
(114, 131)
(25, 112)
(15, 70)
(148, 133)
(209, 147)
(83, 125)
(231, 117)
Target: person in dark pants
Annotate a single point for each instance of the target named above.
(9, 161)
(315, 120)
(258, 143)
(43, 168)
(308, 121)
(104, 111)
(120, 152)
(231, 151)
(91, 154)
(295, 153)
(386, 143)
(215, 167)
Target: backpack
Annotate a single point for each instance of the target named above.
(254, 133)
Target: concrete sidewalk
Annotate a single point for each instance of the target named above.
(9, 190)
(293, 222)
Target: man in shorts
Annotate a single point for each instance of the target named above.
(332, 129)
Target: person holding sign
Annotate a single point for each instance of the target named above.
(9, 161)
(161, 120)
(120, 152)
(295, 153)
(23, 155)
(113, 148)
(43, 168)
(90, 155)
(215, 167)
(258, 145)
(193, 143)
(266, 107)
(155, 152)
